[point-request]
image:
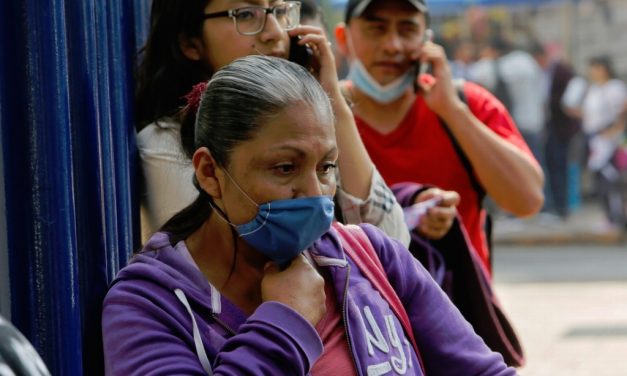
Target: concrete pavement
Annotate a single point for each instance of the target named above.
(569, 306)
(586, 225)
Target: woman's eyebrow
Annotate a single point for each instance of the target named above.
(299, 152)
(282, 148)
(333, 150)
(249, 2)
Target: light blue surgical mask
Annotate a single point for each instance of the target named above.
(360, 77)
(283, 229)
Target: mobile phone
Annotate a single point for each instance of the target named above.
(419, 67)
(301, 54)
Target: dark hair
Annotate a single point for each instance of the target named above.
(501, 45)
(237, 100)
(164, 74)
(537, 49)
(309, 9)
(605, 62)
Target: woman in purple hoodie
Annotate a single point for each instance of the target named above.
(251, 279)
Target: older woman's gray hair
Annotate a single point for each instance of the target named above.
(237, 100)
(243, 93)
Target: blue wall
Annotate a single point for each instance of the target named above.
(69, 165)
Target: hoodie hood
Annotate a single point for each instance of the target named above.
(172, 268)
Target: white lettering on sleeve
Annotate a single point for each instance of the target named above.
(399, 364)
(377, 339)
(410, 349)
(379, 369)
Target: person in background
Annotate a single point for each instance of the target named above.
(198, 299)
(311, 14)
(187, 42)
(514, 77)
(463, 57)
(486, 71)
(603, 124)
(436, 222)
(560, 127)
(405, 130)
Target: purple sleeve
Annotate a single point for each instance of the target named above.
(406, 192)
(139, 338)
(447, 342)
(275, 340)
(149, 333)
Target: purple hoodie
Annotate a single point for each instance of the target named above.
(147, 328)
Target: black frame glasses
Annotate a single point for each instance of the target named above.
(279, 12)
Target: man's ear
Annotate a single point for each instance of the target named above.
(191, 47)
(205, 168)
(340, 38)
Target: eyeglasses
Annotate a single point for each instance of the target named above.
(252, 20)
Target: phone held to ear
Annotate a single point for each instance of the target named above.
(420, 67)
(301, 54)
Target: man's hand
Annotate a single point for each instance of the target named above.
(439, 92)
(438, 220)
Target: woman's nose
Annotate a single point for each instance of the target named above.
(309, 186)
(272, 29)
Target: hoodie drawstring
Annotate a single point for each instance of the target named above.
(200, 349)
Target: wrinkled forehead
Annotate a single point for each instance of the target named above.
(296, 131)
(302, 117)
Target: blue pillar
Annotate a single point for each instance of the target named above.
(69, 166)
(41, 222)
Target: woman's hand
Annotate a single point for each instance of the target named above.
(438, 220)
(323, 58)
(354, 161)
(299, 287)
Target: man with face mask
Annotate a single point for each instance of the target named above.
(403, 116)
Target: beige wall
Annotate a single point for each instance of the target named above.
(593, 27)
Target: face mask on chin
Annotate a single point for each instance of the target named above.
(283, 229)
(388, 93)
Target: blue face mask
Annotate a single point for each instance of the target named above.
(283, 229)
(360, 77)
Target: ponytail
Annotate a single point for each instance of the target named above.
(188, 220)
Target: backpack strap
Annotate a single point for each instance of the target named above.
(358, 247)
(463, 158)
(459, 87)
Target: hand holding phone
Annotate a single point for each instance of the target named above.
(300, 54)
(303, 55)
(422, 67)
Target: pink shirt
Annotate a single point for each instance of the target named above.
(336, 358)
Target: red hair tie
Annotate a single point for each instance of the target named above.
(193, 97)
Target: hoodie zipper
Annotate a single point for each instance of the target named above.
(223, 324)
(345, 316)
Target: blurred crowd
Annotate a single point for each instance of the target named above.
(574, 122)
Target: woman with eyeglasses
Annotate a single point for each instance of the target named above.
(187, 42)
(255, 278)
